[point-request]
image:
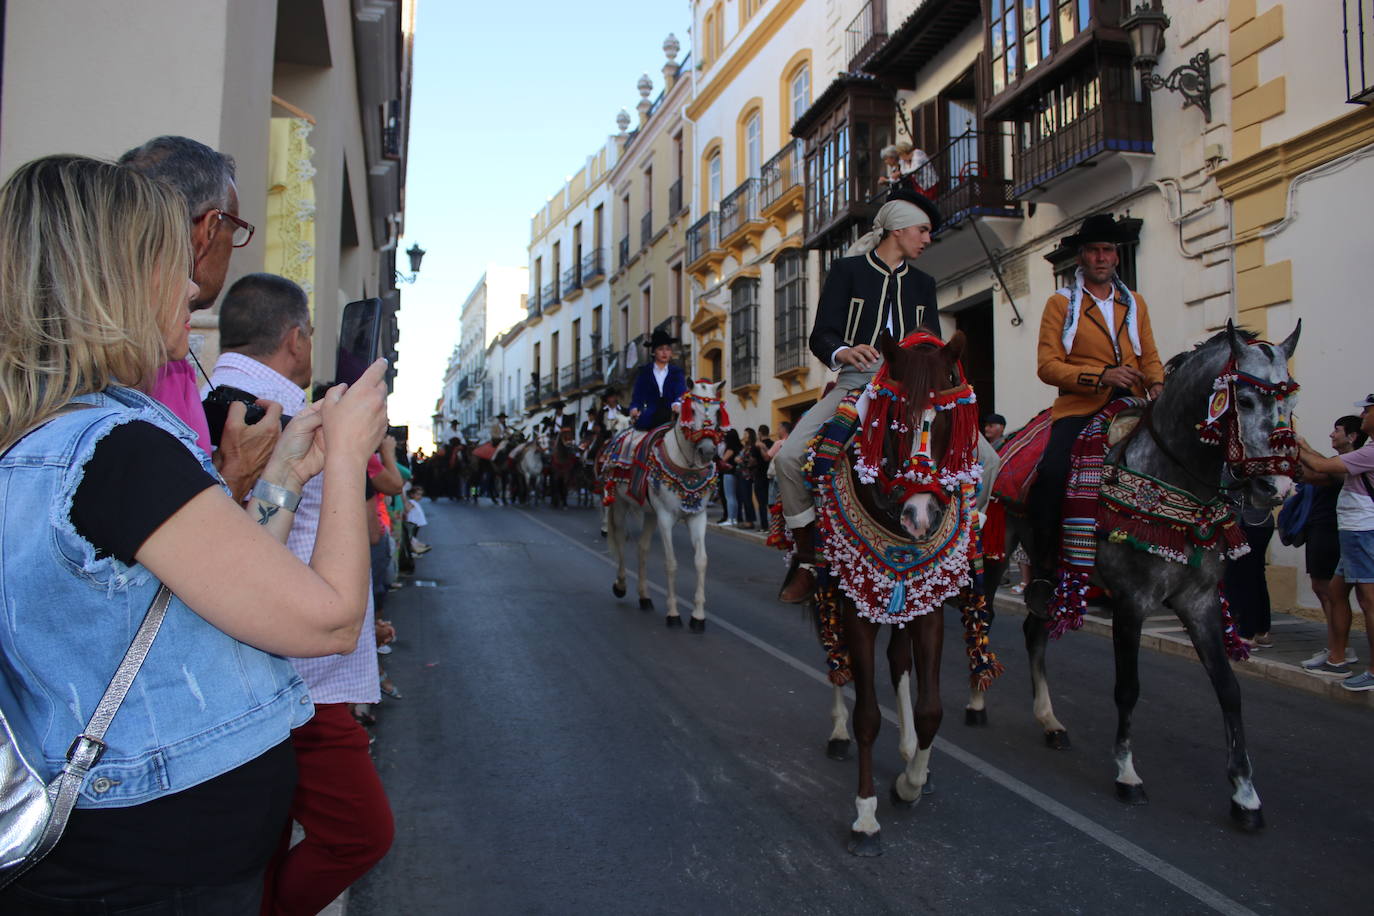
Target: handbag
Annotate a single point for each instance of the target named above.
(1294, 515)
(33, 814)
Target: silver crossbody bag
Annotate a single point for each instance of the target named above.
(32, 814)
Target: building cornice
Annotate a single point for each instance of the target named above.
(741, 57)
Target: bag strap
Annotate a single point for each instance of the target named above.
(1363, 478)
(88, 747)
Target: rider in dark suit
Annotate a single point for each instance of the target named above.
(659, 386)
(873, 289)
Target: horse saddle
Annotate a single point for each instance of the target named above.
(1022, 451)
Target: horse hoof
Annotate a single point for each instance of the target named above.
(696, 626)
(837, 749)
(1134, 794)
(899, 802)
(646, 604)
(975, 717)
(673, 623)
(867, 845)
(1058, 741)
(618, 590)
(1247, 819)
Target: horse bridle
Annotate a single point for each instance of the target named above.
(711, 428)
(918, 473)
(1221, 426)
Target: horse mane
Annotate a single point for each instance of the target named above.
(1218, 339)
(917, 370)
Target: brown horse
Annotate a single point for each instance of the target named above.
(895, 473)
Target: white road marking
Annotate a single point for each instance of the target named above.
(1114, 841)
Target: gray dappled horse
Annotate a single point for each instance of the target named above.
(1167, 447)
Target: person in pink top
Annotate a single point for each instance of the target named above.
(205, 178)
(1355, 520)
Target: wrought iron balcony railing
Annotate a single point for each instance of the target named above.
(646, 228)
(738, 207)
(624, 253)
(593, 265)
(1359, 51)
(703, 236)
(567, 379)
(547, 388)
(674, 198)
(864, 35)
(572, 279)
(781, 173)
(550, 295)
(531, 397)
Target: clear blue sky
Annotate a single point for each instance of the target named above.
(509, 98)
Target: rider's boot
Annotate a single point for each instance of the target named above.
(800, 583)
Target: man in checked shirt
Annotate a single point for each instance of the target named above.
(265, 333)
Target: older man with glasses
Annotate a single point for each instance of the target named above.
(205, 179)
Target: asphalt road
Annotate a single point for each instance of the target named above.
(560, 751)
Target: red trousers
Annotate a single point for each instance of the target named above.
(341, 805)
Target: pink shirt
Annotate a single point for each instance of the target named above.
(176, 388)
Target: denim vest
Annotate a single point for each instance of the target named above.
(203, 702)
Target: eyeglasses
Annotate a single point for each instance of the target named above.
(243, 230)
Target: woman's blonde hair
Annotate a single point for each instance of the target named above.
(94, 260)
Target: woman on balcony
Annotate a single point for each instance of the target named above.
(659, 386)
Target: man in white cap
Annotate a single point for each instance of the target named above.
(871, 289)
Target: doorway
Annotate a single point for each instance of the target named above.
(975, 320)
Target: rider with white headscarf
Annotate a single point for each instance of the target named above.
(871, 289)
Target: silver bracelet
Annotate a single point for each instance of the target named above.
(274, 495)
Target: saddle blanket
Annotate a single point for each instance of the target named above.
(625, 459)
(486, 451)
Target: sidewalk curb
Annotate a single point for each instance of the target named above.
(1257, 666)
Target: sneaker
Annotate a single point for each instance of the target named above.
(1019, 588)
(1327, 668)
(1362, 681)
(1320, 658)
(383, 650)
(727, 524)
(1263, 641)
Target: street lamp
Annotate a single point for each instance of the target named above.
(1193, 80)
(416, 255)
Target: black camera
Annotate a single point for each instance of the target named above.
(217, 409)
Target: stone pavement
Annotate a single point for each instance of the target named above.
(1296, 639)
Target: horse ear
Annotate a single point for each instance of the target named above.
(888, 346)
(954, 349)
(720, 386)
(1290, 343)
(1237, 344)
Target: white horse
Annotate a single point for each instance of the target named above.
(682, 473)
(530, 458)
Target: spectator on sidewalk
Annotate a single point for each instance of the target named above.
(1355, 518)
(762, 479)
(1323, 550)
(205, 180)
(747, 466)
(265, 340)
(995, 430)
(729, 476)
(182, 809)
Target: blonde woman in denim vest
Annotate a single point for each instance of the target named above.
(101, 505)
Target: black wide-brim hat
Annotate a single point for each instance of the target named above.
(1100, 227)
(661, 338)
(912, 196)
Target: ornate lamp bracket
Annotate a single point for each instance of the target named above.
(1192, 80)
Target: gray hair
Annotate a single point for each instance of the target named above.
(259, 311)
(202, 175)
